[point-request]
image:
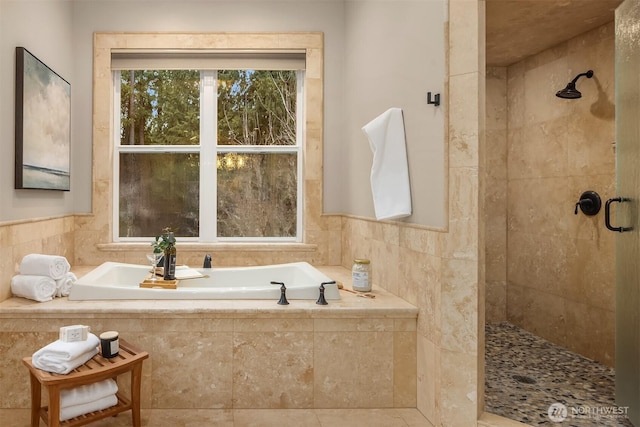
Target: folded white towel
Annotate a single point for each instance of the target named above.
(390, 170)
(64, 285)
(54, 266)
(38, 288)
(68, 350)
(59, 366)
(63, 357)
(87, 393)
(85, 408)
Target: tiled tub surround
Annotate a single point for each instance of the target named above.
(353, 353)
(53, 235)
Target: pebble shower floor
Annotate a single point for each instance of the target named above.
(526, 375)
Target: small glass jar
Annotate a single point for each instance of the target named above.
(360, 275)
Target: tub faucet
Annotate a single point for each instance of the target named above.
(283, 293)
(321, 298)
(207, 261)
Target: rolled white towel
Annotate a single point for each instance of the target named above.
(63, 357)
(38, 288)
(54, 266)
(64, 285)
(85, 408)
(87, 393)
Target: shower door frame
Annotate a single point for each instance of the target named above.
(627, 68)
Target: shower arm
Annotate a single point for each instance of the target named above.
(589, 74)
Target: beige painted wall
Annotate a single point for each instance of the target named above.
(208, 17)
(48, 36)
(394, 55)
(561, 265)
(377, 55)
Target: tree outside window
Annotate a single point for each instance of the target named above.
(252, 173)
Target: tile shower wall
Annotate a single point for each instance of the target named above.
(18, 238)
(561, 265)
(496, 196)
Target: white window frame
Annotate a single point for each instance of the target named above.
(208, 150)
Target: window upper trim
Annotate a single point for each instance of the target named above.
(206, 59)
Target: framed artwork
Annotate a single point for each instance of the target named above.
(43, 125)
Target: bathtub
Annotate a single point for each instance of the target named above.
(120, 281)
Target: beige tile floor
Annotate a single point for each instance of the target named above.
(250, 418)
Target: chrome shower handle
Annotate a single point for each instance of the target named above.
(607, 215)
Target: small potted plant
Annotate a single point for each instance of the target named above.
(166, 244)
(164, 241)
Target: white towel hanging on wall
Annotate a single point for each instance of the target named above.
(390, 170)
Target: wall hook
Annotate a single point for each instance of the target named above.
(435, 101)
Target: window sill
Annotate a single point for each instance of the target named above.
(214, 247)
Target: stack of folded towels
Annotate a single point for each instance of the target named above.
(43, 277)
(87, 398)
(62, 357)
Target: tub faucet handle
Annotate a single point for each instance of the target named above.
(283, 293)
(321, 299)
(207, 261)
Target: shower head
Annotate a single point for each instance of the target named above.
(570, 92)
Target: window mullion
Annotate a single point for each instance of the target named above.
(300, 144)
(208, 132)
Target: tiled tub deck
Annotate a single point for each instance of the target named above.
(214, 354)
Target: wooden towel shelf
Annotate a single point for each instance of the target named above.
(97, 369)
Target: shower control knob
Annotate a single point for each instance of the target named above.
(589, 203)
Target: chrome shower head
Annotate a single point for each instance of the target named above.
(570, 92)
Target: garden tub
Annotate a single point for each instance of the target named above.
(121, 281)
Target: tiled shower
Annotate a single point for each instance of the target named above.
(550, 271)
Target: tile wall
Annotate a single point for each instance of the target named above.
(20, 238)
(496, 195)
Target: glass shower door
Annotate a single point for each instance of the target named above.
(628, 189)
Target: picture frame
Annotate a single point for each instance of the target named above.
(42, 127)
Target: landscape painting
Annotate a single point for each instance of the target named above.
(43, 125)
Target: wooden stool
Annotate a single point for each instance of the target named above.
(97, 369)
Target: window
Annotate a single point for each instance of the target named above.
(215, 153)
